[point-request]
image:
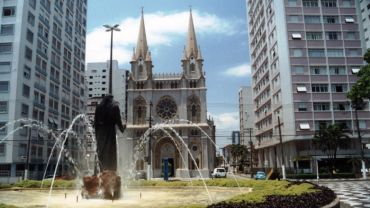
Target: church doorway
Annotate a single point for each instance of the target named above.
(165, 150)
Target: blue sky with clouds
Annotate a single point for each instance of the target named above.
(221, 30)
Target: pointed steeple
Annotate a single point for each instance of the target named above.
(141, 46)
(199, 56)
(191, 45)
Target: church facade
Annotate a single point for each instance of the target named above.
(182, 137)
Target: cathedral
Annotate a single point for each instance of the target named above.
(177, 100)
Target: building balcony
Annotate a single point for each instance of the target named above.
(40, 87)
(41, 71)
(53, 111)
(55, 79)
(66, 101)
(54, 95)
(39, 105)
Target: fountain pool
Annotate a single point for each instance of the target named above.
(132, 197)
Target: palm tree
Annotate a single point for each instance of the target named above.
(329, 139)
(239, 153)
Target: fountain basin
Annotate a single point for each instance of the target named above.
(131, 197)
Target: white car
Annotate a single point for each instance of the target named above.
(219, 173)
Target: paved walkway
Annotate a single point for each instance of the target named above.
(353, 193)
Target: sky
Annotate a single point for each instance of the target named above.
(221, 32)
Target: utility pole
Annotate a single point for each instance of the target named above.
(26, 169)
(149, 175)
(282, 150)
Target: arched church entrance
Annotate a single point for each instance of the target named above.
(164, 150)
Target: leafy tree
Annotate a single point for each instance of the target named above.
(329, 139)
(360, 92)
(238, 153)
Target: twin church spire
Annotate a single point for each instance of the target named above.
(141, 62)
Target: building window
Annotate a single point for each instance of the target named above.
(297, 70)
(8, 11)
(26, 91)
(193, 109)
(296, 52)
(6, 48)
(331, 19)
(32, 3)
(31, 19)
(7, 29)
(318, 70)
(333, 36)
(302, 107)
(3, 130)
(4, 86)
(292, 2)
(339, 88)
(27, 72)
(312, 19)
(3, 107)
(314, 35)
(319, 88)
(335, 53)
(321, 106)
(28, 53)
(5, 67)
(340, 106)
(316, 53)
(310, 3)
(2, 149)
(321, 124)
(329, 3)
(29, 36)
(353, 52)
(337, 70)
(351, 36)
(347, 3)
(24, 110)
(294, 19)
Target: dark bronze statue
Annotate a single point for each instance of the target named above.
(107, 116)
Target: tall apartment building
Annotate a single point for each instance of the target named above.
(42, 53)
(97, 78)
(365, 15)
(246, 115)
(304, 55)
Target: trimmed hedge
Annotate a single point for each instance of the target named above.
(315, 199)
(7, 206)
(37, 184)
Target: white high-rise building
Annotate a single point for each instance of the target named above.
(304, 56)
(42, 59)
(97, 78)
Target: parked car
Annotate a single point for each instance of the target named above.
(260, 175)
(219, 173)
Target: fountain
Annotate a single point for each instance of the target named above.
(108, 184)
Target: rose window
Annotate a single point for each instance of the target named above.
(166, 108)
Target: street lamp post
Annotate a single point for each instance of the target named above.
(111, 29)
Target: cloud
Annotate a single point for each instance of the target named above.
(239, 71)
(161, 29)
(226, 121)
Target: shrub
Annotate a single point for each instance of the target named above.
(303, 195)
